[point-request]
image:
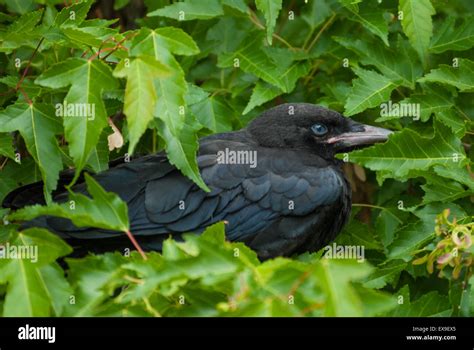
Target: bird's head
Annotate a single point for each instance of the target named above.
(307, 126)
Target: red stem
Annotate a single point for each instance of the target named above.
(135, 244)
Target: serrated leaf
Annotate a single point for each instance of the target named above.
(38, 126)
(140, 94)
(170, 107)
(461, 76)
(450, 37)
(252, 59)
(81, 37)
(176, 41)
(214, 113)
(415, 235)
(384, 274)
(21, 32)
(401, 69)
(431, 304)
(26, 23)
(429, 104)
(87, 80)
(73, 15)
(190, 9)
(369, 90)
(239, 5)
(105, 210)
(417, 24)
(460, 175)
(270, 10)
(99, 158)
(370, 16)
(261, 94)
(407, 151)
(453, 120)
(181, 149)
(357, 233)
(28, 276)
(439, 189)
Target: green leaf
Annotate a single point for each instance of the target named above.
(461, 175)
(417, 24)
(89, 277)
(370, 16)
(439, 189)
(369, 90)
(88, 79)
(386, 273)
(450, 37)
(22, 32)
(20, 6)
(14, 175)
(169, 110)
(26, 23)
(357, 233)
(214, 113)
(252, 59)
(431, 304)
(140, 94)
(176, 41)
(316, 13)
(407, 151)
(403, 69)
(73, 15)
(6, 145)
(351, 4)
(270, 9)
(190, 9)
(461, 76)
(454, 120)
(415, 235)
(429, 104)
(38, 126)
(33, 278)
(105, 210)
(261, 93)
(99, 158)
(239, 5)
(334, 277)
(181, 149)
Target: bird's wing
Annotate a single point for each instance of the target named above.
(248, 198)
(162, 201)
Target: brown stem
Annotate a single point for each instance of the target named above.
(135, 244)
(18, 85)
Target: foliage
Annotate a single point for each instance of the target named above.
(193, 68)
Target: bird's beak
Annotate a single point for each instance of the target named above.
(359, 135)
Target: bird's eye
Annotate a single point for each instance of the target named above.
(319, 129)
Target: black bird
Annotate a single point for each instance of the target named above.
(290, 196)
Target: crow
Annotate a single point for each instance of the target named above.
(276, 184)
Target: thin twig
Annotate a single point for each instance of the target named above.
(254, 19)
(29, 64)
(321, 31)
(136, 245)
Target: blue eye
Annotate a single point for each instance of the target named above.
(319, 129)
